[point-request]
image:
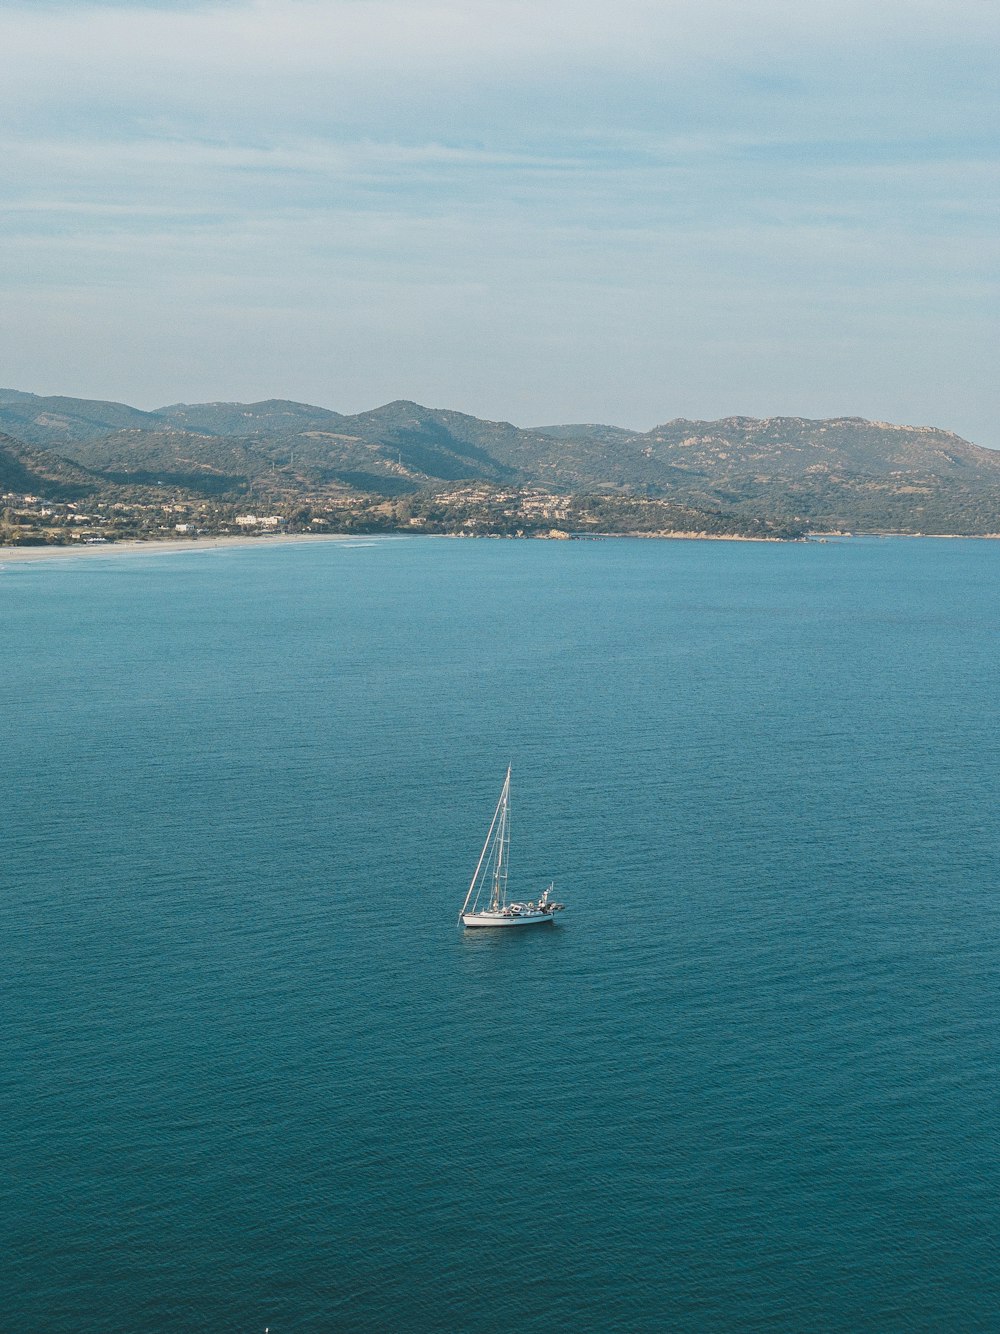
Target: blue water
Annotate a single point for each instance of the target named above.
(252, 1074)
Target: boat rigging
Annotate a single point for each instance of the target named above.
(491, 874)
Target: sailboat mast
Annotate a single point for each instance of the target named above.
(486, 845)
(499, 897)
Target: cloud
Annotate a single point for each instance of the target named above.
(448, 192)
(197, 57)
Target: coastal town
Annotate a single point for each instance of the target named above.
(30, 520)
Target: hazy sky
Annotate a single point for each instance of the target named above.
(540, 210)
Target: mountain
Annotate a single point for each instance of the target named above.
(607, 435)
(791, 471)
(838, 473)
(452, 446)
(53, 422)
(27, 470)
(436, 442)
(272, 417)
(165, 458)
(795, 446)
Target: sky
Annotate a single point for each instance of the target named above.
(532, 210)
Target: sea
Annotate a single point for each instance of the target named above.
(255, 1077)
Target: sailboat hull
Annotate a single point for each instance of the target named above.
(506, 919)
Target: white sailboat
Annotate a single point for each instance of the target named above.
(491, 874)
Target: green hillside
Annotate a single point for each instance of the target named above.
(785, 473)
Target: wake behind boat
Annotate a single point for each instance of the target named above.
(491, 872)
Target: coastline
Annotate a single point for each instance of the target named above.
(158, 546)
(668, 536)
(161, 546)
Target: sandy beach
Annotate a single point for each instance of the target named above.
(159, 548)
(168, 546)
(78, 551)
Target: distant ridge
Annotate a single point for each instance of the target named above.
(272, 416)
(54, 420)
(843, 472)
(586, 431)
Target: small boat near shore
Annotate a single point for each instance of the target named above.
(491, 874)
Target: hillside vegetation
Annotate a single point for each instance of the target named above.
(781, 476)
